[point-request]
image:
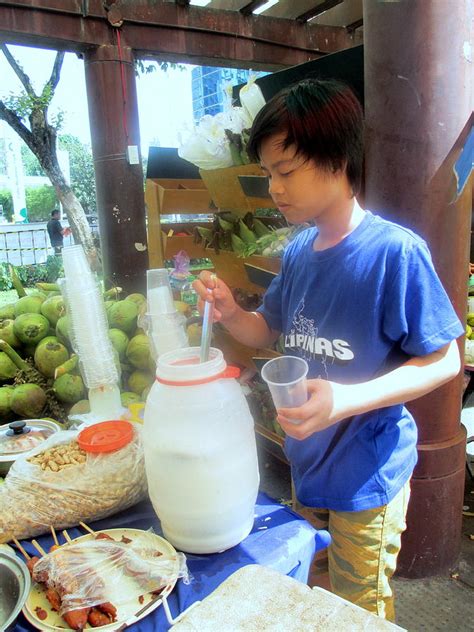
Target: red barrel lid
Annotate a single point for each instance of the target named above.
(105, 436)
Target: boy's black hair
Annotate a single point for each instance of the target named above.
(54, 211)
(322, 118)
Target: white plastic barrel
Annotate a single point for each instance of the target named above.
(200, 453)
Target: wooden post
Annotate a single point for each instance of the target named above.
(418, 78)
(113, 113)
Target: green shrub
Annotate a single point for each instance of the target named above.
(6, 200)
(29, 275)
(40, 201)
(5, 280)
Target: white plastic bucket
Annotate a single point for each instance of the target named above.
(200, 453)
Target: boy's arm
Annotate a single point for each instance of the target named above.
(331, 402)
(249, 328)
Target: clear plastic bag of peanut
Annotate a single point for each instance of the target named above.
(60, 484)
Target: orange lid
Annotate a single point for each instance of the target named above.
(105, 436)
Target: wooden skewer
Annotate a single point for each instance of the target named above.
(67, 536)
(55, 537)
(38, 547)
(87, 528)
(21, 549)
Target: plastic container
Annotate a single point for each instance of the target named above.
(164, 325)
(200, 453)
(159, 295)
(286, 379)
(89, 336)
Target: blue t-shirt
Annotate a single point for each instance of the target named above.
(356, 311)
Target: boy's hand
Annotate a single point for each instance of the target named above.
(225, 306)
(328, 403)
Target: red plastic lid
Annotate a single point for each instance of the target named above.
(105, 436)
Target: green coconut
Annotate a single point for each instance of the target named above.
(7, 333)
(7, 311)
(31, 328)
(108, 305)
(48, 338)
(53, 308)
(28, 305)
(82, 407)
(128, 397)
(123, 315)
(62, 330)
(69, 388)
(138, 380)
(6, 393)
(119, 340)
(136, 298)
(138, 351)
(48, 356)
(8, 369)
(40, 293)
(28, 400)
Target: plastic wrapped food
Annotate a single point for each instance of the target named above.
(58, 484)
(106, 573)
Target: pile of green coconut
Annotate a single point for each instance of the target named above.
(39, 371)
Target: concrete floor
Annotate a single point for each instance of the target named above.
(440, 604)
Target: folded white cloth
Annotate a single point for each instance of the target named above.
(257, 598)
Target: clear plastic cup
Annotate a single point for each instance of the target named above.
(286, 379)
(159, 295)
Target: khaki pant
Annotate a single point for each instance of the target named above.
(363, 553)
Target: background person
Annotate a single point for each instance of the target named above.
(56, 232)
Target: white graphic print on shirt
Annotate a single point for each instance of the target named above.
(303, 336)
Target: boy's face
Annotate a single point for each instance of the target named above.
(301, 190)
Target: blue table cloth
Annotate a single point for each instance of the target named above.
(280, 539)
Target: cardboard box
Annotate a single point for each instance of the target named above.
(177, 196)
(226, 191)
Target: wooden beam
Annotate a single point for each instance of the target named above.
(318, 10)
(355, 25)
(249, 8)
(166, 31)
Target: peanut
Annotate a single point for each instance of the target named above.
(57, 457)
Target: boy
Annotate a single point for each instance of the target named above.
(358, 298)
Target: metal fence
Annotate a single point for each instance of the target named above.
(25, 246)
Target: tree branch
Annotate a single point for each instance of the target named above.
(56, 72)
(15, 122)
(25, 80)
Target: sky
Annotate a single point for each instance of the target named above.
(164, 98)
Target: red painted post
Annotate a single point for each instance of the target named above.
(418, 79)
(113, 114)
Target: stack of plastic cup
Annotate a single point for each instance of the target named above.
(286, 379)
(165, 325)
(89, 334)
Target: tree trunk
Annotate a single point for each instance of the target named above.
(77, 220)
(46, 151)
